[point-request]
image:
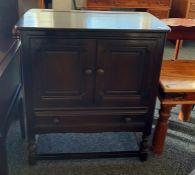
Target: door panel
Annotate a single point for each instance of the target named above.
(62, 72)
(124, 72)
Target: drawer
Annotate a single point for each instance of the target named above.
(161, 2)
(99, 1)
(191, 14)
(132, 2)
(192, 7)
(111, 2)
(117, 3)
(89, 121)
(159, 13)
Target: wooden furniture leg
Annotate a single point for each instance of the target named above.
(3, 157)
(144, 148)
(41, 4)
(185, 112)
(32, 152)
(161, 129)
(177, 47)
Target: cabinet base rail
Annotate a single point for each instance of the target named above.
(91, 155)
(142, 153)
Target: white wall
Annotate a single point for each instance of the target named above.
(24, 5)
(81, 3)
(62, 4)
(67, 4)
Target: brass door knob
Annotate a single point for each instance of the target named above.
(88, 72)
(100, 71)
(56, 121)
(128, 119)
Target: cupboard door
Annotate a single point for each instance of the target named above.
(125, 72)
(62, 72)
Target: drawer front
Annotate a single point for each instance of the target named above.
(192, 6)
(191, 14)
(132, 2)
(159, 13)
(114, 2)
(109, 4)
(162, 2)
(90, 121)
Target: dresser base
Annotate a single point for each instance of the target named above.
(142, 153)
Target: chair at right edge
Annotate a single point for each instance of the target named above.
(177, 81)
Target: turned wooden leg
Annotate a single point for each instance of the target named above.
(185, 112)
(32, 153)
(41, 4)
(144, 149)
(177, 47)
(3, 157)
(161, 129)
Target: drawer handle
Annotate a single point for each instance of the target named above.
(160, 2)
(56, 121)
(100, 71)
(88, 72)
(128, 119)
(143, 1)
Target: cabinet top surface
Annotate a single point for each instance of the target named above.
(36, 19)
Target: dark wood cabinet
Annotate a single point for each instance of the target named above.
(85, 75)
(70, 72)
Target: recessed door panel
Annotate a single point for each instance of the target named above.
(62, 72)
(124, 72)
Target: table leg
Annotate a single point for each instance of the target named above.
(177, 47)
(185, 112)
(41, 4)
(3, 157)
(161, 129)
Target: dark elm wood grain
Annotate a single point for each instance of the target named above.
(90, 72)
